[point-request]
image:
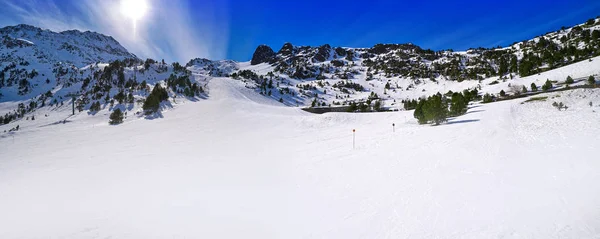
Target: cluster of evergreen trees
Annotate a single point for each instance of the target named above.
(183, 85)
(264, 85)
(152, 102)
(246, 74)
(20, 112)
(468, 95)
(368, 106)
(349, 85)
(434, 109)
(410, 104)
(437, 108)
(95, 107)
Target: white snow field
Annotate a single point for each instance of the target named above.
(239, 166)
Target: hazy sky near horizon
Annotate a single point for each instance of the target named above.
(179, 30)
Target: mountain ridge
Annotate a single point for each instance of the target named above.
(43, 67)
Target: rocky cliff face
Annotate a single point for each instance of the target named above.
(262, 54)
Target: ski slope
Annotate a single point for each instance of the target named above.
(238, 165)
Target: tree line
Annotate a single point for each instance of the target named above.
(437, 108)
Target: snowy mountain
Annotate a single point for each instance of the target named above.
(211, 149)
(31, 59)
(74, 47)
(327, 75)
(40, 68)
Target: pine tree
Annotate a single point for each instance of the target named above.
(436, 110)
(525, 67)
(502, 93)
(120, 97)
(95, 107)
(533, 87)
(363, 107)
(377, 106)
(130, 98)
(353, 107)
(419, 113)
(459, 105)
(524, 90)
(547, 86)
(487, 98)
(591, 80)
(569, 80)
(152, 102)
(116, 117)
(513, 64)
(595, 34)
(503, 68)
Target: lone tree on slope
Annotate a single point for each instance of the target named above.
(116, 117)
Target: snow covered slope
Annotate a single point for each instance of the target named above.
(40, 68)
(75, 47)
(226, 157)
(328, 76)
(34, 61)
(232, 166)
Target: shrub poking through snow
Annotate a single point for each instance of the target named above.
(560, 106)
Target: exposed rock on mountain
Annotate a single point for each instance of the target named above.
(262, 54)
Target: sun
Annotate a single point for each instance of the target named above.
(134, 9)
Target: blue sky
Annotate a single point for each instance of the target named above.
(231, 29)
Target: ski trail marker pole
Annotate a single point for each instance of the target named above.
(393, 127)
(353, 138)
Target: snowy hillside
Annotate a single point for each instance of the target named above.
(329, 76)
(41, 70)
(221, 149)
(239, 165)
(75, 47)
(33, 61)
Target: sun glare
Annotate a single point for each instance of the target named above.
(134, 9)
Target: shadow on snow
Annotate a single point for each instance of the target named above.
(462, 121)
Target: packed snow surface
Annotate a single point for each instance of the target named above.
(241, 166)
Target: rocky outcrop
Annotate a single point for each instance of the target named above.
(287, 49)
(262, 54)
(322, 53)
